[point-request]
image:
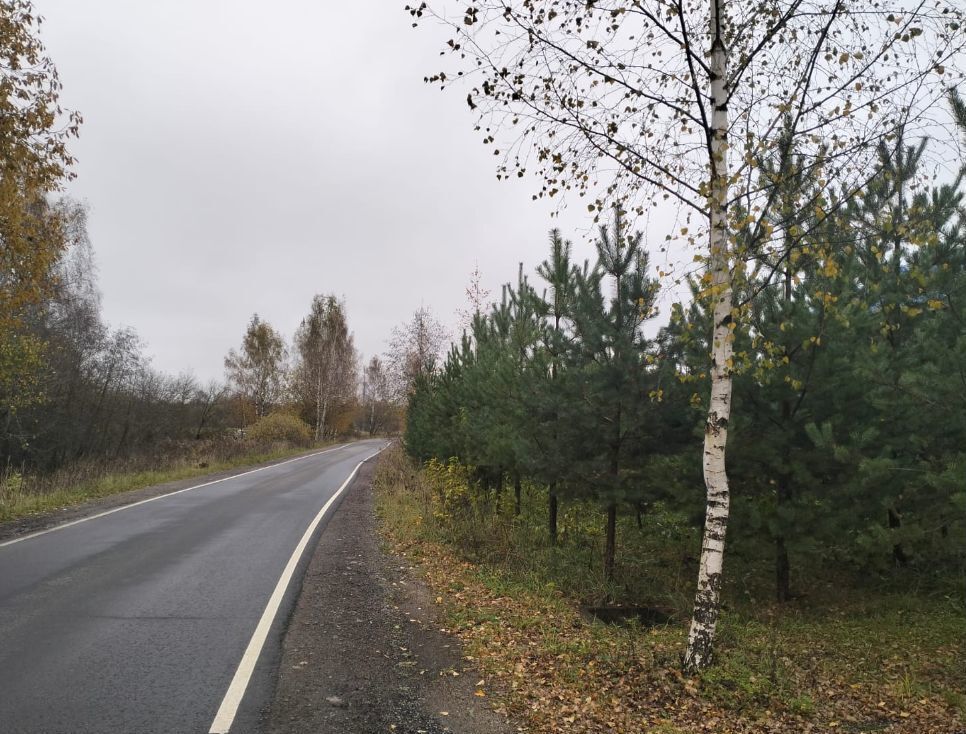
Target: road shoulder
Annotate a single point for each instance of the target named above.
(363, 651)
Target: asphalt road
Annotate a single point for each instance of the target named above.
(137, 621)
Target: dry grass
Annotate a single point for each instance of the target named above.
(23, 495)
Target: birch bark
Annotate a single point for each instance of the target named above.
(319, 417)
(704, 617)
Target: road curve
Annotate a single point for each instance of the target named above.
(137, 621)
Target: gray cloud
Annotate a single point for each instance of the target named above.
(243, 156)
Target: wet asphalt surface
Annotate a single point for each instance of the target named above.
(136, 621)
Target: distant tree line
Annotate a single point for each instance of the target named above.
(93, 393)
(87, 392)
(316, 381)
(74, 389)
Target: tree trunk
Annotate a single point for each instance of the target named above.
(552, 519)
(707, 600)
(126, 428)
(517, 491)
(95, 414)
(204, 419)
(325, 409)
(319, 410)
(899, 556)
(782, 572)
(610, 545)
(782, 565)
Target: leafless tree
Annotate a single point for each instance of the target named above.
(415, 349)
(378, 404)
(208, 399)
(476, 299)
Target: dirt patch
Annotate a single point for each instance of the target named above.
(363, 652)
(645, 616)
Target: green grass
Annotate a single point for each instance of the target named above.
(18, 500)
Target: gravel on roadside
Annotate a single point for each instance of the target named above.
(363, 652)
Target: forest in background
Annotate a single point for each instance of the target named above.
(848, 416)
(88, 392)
(83, 411)
(554, 473)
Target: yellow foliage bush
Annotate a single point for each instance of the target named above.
(280, 427)
(450, 488)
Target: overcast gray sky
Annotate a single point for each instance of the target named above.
(239, 157)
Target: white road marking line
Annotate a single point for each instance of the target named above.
(239, 683)
(163, 496)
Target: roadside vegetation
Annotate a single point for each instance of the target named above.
(779, 147)
(849, 653)
(23, 495)
(557, 489)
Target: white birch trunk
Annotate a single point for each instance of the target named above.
(325, 409)
(318, 403)
(707, 599)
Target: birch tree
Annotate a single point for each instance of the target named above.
(415, 348)
(654, 101)
(377, 397)
(258, 371)
(326, 372)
